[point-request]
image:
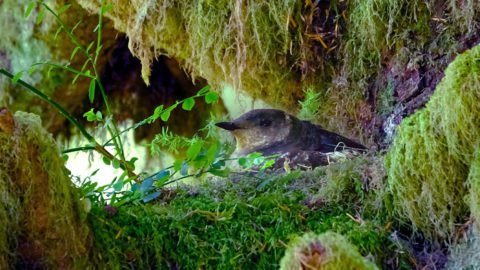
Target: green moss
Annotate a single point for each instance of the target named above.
(433, 151)
(375, 27)
(39, 212)
(474, 184)
(325, 251)
(244, 44)
(238, 224)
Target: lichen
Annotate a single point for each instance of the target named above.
(43, 224)
(466, 253)
(429, 162)
(323, 252)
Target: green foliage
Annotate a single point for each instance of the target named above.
(433, 152)
(310, 106)
(327, 251)
(92, 116)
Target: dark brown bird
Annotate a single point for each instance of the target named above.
(270, 131)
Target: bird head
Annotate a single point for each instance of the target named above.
(258, 129)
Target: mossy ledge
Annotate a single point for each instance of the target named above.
(244, 222)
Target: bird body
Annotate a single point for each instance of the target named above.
(270, 131)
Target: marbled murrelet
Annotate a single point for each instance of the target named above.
(272, 131)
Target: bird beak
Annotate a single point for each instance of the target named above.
(227, 125)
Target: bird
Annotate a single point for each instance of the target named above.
(299, 142)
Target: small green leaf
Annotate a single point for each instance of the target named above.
(57, 33)
(242, 161)
(97, 51)
(17, 77)
(63, 9)
(132, 162)
(107, 8)
(74, 52)
(269, 163)
(220, 173)
(194, 149)
(74, 81)
(90, 46)
(76, 25)
(211, 97)
(254, 155)
(116, 163)
(91, 91)
(177, 165)
(165, 115)
(90, 115)
(211, 154)
(84, 66)
(65, 157)
(41, 16)
(49, 72)
(106, 160)
(156, 113)
(31, 70)
(188, 104)
(99, 116)
(161, 177)
(204, 90)
(29, 9)
(118, 185)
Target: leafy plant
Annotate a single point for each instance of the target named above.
(202, 156)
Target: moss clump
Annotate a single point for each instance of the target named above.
(42, 221)
(241, 223)
(323, 252)
(429, 162)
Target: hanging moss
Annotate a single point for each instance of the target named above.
(42, 221)
(244, 43)
(429, 162)
(327, 251)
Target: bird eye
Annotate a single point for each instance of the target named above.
(265, 123)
